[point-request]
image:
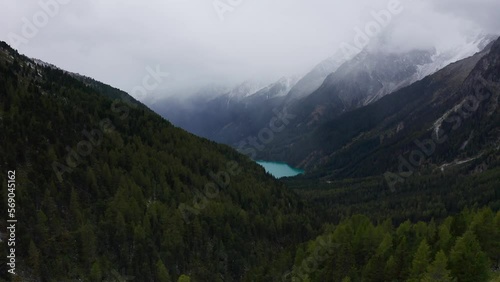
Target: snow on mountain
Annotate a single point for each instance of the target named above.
(369, 76)
(313, 79)
(245, 89)
(44, 64)
(386, 72)
(277, 89)
(442, 58)
(210, 91)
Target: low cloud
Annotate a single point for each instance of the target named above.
(114, 41)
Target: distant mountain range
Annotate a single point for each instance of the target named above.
(110, 190)
(107, 189)
(335, 86)
(461, 100)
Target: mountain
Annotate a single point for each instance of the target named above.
(442, 58)
(313, 79)
(107, 189)
(334, 87)
(403, 188)
(242, 111)
(244, 90)
(360, 81)
(228, 117)
(428, 149)
(180, 110)
(460, 99)
(278, 89)
(374, 73)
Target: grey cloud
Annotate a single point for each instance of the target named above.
(114, 41)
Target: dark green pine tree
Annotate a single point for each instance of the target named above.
(162, 272)
(437, 271)
(184, 278)
(420, 262)
(487, 234)
(468, 263)
(497, 241)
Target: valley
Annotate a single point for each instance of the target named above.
(247, 152)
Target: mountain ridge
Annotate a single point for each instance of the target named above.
(136, 195)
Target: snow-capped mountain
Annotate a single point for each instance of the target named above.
(375, 136)
(364, 79)
(278, 89)
(335, 86)
(313, 79)
(210, 91)
(442, 58)
(376, 72)
(244, 89)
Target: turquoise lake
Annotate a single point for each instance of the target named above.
(279, 170)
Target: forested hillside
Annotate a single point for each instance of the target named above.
(105, 187)
(107, 190)
(464, 248)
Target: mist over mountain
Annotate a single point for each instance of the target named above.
(256, 141)
(313, 79)
(188, 40)
(336, 85)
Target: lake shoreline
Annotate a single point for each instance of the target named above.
(280, 169)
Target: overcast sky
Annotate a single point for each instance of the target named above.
(115, 40)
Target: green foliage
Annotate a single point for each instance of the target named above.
(95, 272)
(156, 202)
(184, 278)
(399, 254)
(101, 178)
(467, 261)
(438, 270)
(162, 272)
(420, 261)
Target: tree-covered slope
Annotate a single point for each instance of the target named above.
(459, 102)
(464, 248)
(106, 187)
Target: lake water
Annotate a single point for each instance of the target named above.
(279, 170)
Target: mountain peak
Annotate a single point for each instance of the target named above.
(245, 89)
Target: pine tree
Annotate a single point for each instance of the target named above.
(467, 262)
(437, 271)
(496, 258)
(402, 257)
(75, 210)
(88, 244)
(162, 272)
(374, 270)
(95, 272)
(420, 261)
(34, 258)
(445, 237)
(486, 233)
(391, 269)
(184, 278)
